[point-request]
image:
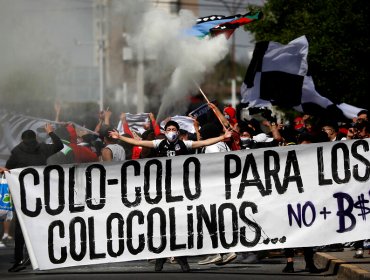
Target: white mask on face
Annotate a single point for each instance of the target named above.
(171, 136)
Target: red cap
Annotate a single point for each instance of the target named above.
(298, 123)
(231, 112)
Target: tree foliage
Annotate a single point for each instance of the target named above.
(339, 42)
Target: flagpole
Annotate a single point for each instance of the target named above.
(214, 111)
(201, 91)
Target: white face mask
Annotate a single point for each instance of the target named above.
(244, 138)
(171, 136)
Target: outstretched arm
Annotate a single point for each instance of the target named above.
(3, 169)
(143, 143)
(210, 141)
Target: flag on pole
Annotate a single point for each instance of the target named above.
(218, 24)
(277, 75)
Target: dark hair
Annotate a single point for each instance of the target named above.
(183, 131)
(332, 124)
(304, 137)
(148, 133)
(173, 123)
(362, 125)
(363, 112)
(28, 135)
(104, 131)
(89, 138)
(247, 129)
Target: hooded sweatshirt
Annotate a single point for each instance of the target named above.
(33, 153)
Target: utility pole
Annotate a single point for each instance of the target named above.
(99, 42)
(140, 80)
(101, 74)
(101, 46)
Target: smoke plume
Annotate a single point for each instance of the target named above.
(178, 60)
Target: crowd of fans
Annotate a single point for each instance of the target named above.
(217, 130)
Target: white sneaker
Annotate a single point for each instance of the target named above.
(8, 241)
(227, 258)
(211, 259)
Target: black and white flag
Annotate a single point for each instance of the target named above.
(277, 75)
(12, 126)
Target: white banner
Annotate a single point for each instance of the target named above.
(294, 196)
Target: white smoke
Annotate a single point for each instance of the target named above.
(179, 59)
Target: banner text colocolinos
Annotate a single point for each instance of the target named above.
(162, 206)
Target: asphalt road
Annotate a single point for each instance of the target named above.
(267, 268)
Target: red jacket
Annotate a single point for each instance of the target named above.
(82, 154)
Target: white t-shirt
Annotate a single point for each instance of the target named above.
(217, 148)
(118, 152)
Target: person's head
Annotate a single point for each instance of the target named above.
(246, 135)
(246, 132)
(299, 124)
(362, 116)
(148, 135)
(230, 114)
(331, 129)
(28, 136)
(304, 138)
(104, 133)
(362, 129)
(171, 129)
(183, 134)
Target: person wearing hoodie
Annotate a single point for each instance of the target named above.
(29, 152)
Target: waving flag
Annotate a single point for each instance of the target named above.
(277, 75)
(217, 24)
(12, 126)
(135, 122)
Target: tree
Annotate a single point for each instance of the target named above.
(339, 42)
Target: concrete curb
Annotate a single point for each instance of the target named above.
(341, 268)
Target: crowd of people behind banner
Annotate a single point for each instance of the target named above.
(216, 130)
